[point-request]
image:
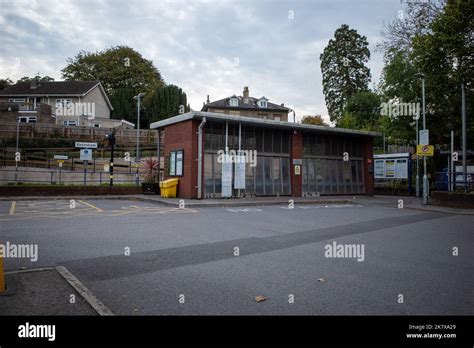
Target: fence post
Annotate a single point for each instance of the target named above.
(51, 178)
(94, 166)
(49, 159)
(100, 178)
(72, 160)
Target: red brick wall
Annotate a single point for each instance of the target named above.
(296, 153)
(183, 136)
(369, 162)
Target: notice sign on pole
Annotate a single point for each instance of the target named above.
(86, 155)
(424, 137)
(425, 150)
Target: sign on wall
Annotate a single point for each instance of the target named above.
(226, 176)
(239, 177)
(176, 163)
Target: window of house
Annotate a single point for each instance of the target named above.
(70, 123)
(262, 103)
(96, 125)
(27, 119)
(234, 102)
(17, 100)
(63, 103)
(277, 118)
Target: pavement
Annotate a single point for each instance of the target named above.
(146, 258)
(42, 291)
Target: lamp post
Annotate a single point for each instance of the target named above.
(17, 145)
(417, 185)
(137, 154)
(426, 182)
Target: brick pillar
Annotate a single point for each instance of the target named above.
(369, 166)
(296, 152)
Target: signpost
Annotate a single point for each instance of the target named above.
(86, 156)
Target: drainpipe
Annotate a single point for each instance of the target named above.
(199, 183)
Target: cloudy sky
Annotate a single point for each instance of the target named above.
(206, 47)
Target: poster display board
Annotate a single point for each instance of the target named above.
(226, 176)
(391, 166)
(239, 176)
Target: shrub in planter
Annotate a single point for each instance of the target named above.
(149, 169)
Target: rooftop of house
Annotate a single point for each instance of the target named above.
(244, 102)
(58, 88)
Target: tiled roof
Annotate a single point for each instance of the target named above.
(251, 105)
(50, 88)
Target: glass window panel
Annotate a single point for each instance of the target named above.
(318, 145)
(305, 175)
(259, 139)
(249, 179)
(277, 141)
(208, 179)
(285, 175)
(318, 174)
(268, 140)
(360, 176)
(311, 176)
(259, 177)
(276, 175)
(285, 142)
(217, 175)
(267, 175)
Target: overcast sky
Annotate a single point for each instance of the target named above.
(205, 47)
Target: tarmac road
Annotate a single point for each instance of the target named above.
(145, 259)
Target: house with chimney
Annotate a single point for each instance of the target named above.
(64, 103)
(248, 106)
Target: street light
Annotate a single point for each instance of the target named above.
(17, 145)
(137, 154)
(426, 183)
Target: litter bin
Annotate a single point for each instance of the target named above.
(169, 188)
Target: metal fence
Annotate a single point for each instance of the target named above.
(63, 177)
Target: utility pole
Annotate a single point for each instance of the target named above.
(417, 185)
(137, 154)
(426, 183)
(17, 146)
(464, 152)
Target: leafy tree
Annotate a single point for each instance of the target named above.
(343, 69)
(364, 109)
(4, 83)
(165, 102)
(115, 67)
(314, 120)
(122, 71)
(39, 78)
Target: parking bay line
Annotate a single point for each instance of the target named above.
(91, 206)
(12, 208)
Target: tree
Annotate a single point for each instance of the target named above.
(165, 102)
(314, 120)
(415, 20)
(115, 67)
(4, 83)
(39, 78)
(364, 109)
(343, 69)
(122, 71)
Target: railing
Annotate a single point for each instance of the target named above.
(63, 177)
(453, 181)
(128, 137)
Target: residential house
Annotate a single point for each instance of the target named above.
(72, 103)
(246, 105)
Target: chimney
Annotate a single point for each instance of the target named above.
(246, 95)
(207, 101)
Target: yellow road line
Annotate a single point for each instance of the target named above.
(12, 208)
(92, 206)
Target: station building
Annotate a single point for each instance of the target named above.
(293, 159)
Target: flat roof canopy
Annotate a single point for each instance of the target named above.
(252, 121)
